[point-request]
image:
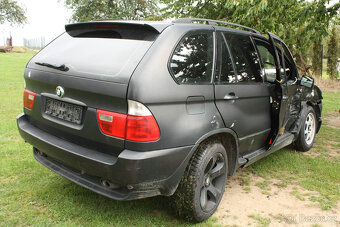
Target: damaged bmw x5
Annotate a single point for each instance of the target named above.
(134, 109)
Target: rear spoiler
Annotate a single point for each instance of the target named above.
(157, 27)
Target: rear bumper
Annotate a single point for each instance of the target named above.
(133, 174)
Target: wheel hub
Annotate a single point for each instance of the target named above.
(309, 131)
(213, 182)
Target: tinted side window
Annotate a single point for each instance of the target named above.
(225, 71)
(192, 60)
(245, 57)
(267, 59)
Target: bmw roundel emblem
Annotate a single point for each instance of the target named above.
(59, 91)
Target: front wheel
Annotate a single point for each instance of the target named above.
(307, 133)
(202, 185)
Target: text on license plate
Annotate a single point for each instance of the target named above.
(64, 111)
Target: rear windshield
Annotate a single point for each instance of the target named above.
(96, 55)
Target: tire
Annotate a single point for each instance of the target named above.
(305, 139)
(202, 185)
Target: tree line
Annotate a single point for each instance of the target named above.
(303, 25)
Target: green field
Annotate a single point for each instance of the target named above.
(30, 194)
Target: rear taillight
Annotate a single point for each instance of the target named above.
(111, 123)
(138, 125)
(29, 97)
(141, 128)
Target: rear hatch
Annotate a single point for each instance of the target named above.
(86, 68)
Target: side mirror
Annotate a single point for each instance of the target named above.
(307, 81)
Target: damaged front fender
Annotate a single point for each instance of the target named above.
(310, 97)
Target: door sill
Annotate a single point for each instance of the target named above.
(254, 156)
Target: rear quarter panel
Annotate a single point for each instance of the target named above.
(184, 113)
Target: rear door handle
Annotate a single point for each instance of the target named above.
(230, 96)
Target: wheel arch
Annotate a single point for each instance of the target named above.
(304, 108)
(229, 140)
(317, 107)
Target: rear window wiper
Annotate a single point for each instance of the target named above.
(58, 67)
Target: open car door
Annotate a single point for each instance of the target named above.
(288, 94)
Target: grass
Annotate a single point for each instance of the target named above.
(264, 186)
(331, 103)
(298, 194)
(261, 221)
(320, 173)
(30, 194)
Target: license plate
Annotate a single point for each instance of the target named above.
(63, 110)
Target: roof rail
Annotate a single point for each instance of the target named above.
(214, 22)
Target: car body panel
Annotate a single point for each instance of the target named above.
(179, 121)
(186, 114)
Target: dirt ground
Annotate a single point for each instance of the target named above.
(250, 206)
(334, 121)
(328, 85)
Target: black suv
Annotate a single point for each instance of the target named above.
(134, 109)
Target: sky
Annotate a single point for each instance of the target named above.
(46, 18)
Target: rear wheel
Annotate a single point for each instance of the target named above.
(202, 185)
(306, 136)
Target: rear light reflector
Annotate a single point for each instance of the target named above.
(138, 125)
(29, 98)
(111, 123)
